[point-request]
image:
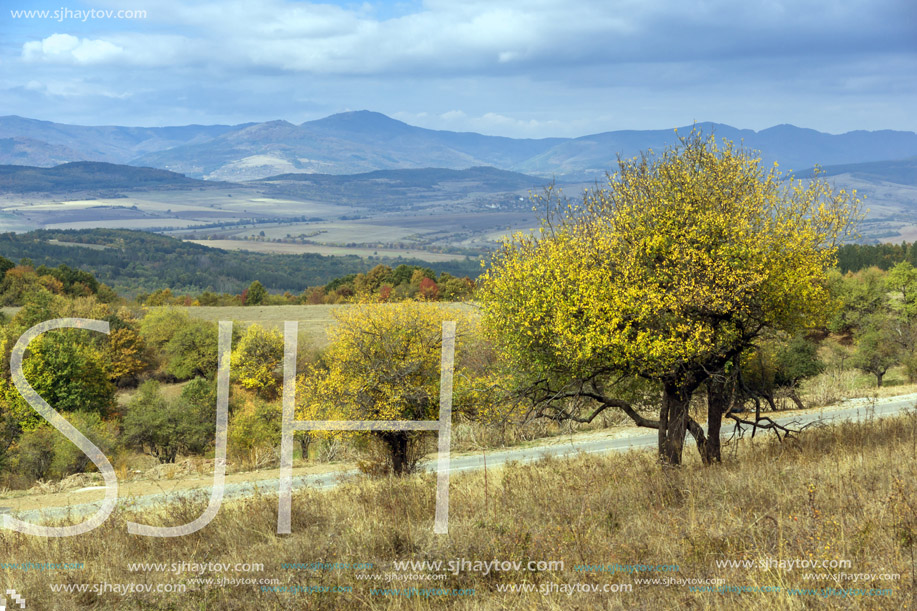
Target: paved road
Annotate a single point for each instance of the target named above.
(853, 409)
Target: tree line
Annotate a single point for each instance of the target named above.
(133, 262)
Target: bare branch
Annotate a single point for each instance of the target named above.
(764, 423)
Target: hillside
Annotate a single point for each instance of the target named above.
(111, 143)
(136, 261)
(89, 176)
(26, 151)
(791, 146)
(363, 141)
(902, 172)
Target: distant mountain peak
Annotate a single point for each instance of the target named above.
(359, 120)
(276, 123)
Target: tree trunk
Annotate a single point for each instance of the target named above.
(794, 397)
(304, 439)
(673, 422)
(879, 377)
(718, 399)
(398, 448)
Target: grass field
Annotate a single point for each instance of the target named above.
(842, 493)
(314, 320)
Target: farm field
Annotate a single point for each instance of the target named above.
(167, 209)
(293, 248)
(396, 234)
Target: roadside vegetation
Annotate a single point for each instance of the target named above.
(844, 492)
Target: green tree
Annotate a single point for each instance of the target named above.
(5, 265)
(21, 284)
(44, 453)
(877, 350)
(774, 367)
(668, 273)
(901, 281)
(67, 372)
(158, 326)
(254, 433)
(164, 428)
(256, 294)
(192, 351)
(858, 297)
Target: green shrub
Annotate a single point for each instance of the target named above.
(44, 453)
(164, 428)
(254, 434)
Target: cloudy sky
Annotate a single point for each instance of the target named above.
(523, 68)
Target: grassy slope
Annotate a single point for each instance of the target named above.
(314, 320)
(848, 492)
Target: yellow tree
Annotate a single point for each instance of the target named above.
(668, 273)
(383, 363)
(258, 359)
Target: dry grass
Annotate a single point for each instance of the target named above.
(848, 492)
(835, 385)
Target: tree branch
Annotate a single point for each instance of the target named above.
(765, 424)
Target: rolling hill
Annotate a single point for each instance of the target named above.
(902, 171)
(111, 143)
(89, 176)
(364, 141)
(137, 261)
(347, 143)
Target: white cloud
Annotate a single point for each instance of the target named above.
(66, 48)
(72, 88)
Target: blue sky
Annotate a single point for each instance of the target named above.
(521, 68)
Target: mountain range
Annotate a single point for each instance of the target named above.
(365, 141)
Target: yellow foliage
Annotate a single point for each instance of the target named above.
(680, 261)
(383, 363)
(126, 355)
(258, 359)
